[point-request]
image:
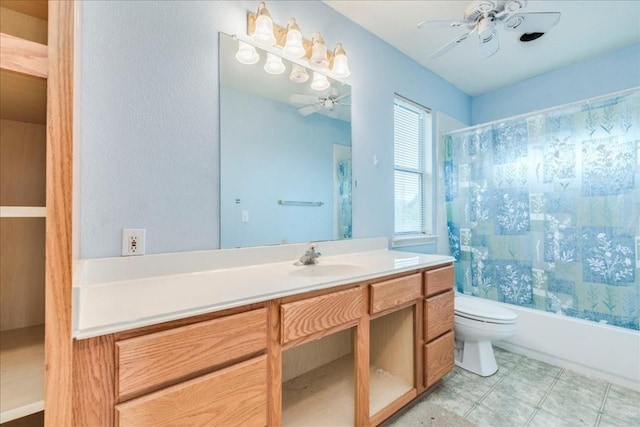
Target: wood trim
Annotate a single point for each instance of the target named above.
(58, 269)
(24, 56)
(361, 368)
(94, 381)
(274, 365)
(154, 360)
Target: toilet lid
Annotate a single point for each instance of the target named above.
(479, 309)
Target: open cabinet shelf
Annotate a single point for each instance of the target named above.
(21, 372)
(23, 132)
(318, 382)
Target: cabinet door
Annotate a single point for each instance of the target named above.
(438, 358)
(234, 396)
(438, 315)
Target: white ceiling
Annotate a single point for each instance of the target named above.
(586, 29)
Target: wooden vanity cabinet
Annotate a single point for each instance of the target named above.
(350, 355)
(438, 324)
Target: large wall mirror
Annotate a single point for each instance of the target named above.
(285, 152)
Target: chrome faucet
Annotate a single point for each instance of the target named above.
(310, 257)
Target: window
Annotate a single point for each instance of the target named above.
(412, 169)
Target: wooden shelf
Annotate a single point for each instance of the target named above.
(385, 388)
(321, 397)
(23, 211)
(21, 372)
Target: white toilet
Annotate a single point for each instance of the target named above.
(477, 323)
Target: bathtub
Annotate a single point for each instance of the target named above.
(594, 349)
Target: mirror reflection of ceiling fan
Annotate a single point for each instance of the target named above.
(322, 104)
(485, 17)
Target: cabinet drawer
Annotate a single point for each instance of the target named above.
(438, 280)
(153, 360)
(234, 396)
(438, 358)
(438, 315)
(391, 293)
(302, 318)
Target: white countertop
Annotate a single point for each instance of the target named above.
(112, 306)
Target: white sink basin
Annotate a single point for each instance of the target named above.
(320, 270)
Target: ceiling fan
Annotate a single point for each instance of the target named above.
(484, 17)
(313, 103)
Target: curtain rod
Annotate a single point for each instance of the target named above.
(624, 92)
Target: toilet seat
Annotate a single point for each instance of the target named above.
(476, 309)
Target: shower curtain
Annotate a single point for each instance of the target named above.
(543, 210)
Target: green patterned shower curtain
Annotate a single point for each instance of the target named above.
(543, 210)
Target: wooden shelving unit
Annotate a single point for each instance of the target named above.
(23, 119)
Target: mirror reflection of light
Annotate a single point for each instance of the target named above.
(274, 64)
(247, 54)
(406, 262)
(320, 81)
(298, 74)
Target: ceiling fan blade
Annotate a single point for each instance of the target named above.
(299, 98)
(330, 113)
(447, 47)
(344, 95)
(534, 22)
(489, 47)
(310, 109)
(444, 23)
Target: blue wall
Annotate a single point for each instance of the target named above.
(297, 162)
(149, 120)
(601, 75)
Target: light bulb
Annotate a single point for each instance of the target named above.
(340, 63)
(263, 33)
(293, 45)
(319, 53)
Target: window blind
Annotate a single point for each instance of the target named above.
(412, 129)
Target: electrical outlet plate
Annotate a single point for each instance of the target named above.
(133, 240)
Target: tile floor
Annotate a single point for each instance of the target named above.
(528, 393)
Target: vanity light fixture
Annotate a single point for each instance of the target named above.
(274, 64)
(289, 41)
(340, 67)
(319, 58)
(298, 74)
(247, 54)
(320, 81)
(263, 33)
(293, 46)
